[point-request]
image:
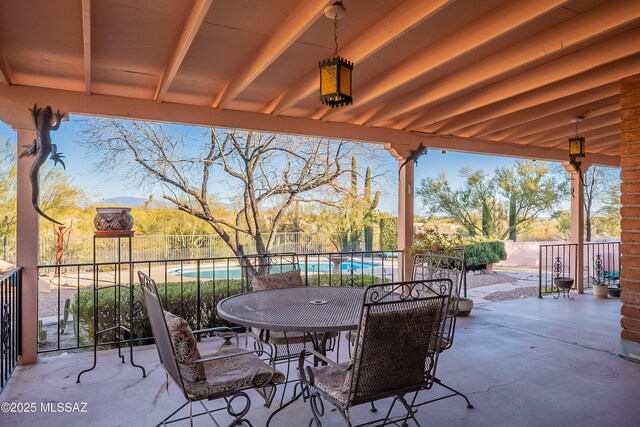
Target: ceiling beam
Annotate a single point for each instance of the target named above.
(86, 43)
(559, 140)
(194, 21)
(5, 72)
(610, 74)
(398, 22)
(572, 33)
(558, 71)
(14, 98)
(521, 122)
(496, 23)
(604, 106)
(606, 144)
(298, 21)
(568, 129)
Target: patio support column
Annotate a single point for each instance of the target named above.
(577, 222)
(27, 251)
(630, 213)
(405, 217)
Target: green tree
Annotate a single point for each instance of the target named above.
(475, 205)
(534, 189)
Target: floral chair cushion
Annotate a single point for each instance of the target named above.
(186, 348)
(232, 373)
(332, 381)
(288, 279)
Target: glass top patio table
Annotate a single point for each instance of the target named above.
(306, 309)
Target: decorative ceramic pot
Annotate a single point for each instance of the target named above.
(465, 305)
(600, 291)
(113, 219)
(563, 282)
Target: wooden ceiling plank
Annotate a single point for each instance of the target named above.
(492, 25)
(610, 74)
(562, 69)
(561, 139)
(398, 22)
(5, 74)
(567, 129)
(576, 31)
(86, 44)
(298, 21)
(552, 121)
(194, 21)
(547, 115)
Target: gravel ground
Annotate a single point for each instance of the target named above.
(478, 280)
(529, 291)
(48, 301)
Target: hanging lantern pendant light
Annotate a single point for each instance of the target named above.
(335, 73)
(576, 143)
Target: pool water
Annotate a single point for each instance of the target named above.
(234, 272)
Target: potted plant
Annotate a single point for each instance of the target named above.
(600, 288)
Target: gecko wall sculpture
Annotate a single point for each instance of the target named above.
(45, 120)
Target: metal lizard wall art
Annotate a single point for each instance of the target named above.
(45, 120)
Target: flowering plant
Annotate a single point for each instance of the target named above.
(431, 240)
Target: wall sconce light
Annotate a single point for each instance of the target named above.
(335, 72)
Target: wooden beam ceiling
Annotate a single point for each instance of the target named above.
(577, 31)
(86, 44)
(493, 25)
(402, 19)
(300, 19)
(194, 21)
(610, 74)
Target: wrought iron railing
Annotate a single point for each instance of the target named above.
(191, 288)
(10, 323)
(601, 261)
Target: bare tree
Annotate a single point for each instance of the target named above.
(268, 172)
(600, 188)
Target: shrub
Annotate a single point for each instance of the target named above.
(480, 253)
(181, 300)
(388, 234)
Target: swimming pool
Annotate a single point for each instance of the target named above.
(234, 272)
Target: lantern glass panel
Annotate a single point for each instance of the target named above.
(345, 80)
(329, 79)
(576, 146)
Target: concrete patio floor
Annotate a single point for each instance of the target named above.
(525, 362)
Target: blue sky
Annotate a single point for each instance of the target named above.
(79, 166)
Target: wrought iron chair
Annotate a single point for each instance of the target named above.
(440, 266)
(276, 271)
(396, 351)
(225, 374)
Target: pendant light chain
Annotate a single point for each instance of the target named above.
(335, 34)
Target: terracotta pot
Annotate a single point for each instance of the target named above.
(600, 291)
(113, 219)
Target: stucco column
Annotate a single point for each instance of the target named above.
(405, 217)
(630, 212)
(27, 251)
(577, 222)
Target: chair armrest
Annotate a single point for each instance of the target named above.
(306, 375)
(220, 331)
(329, 361)
(225, 356)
